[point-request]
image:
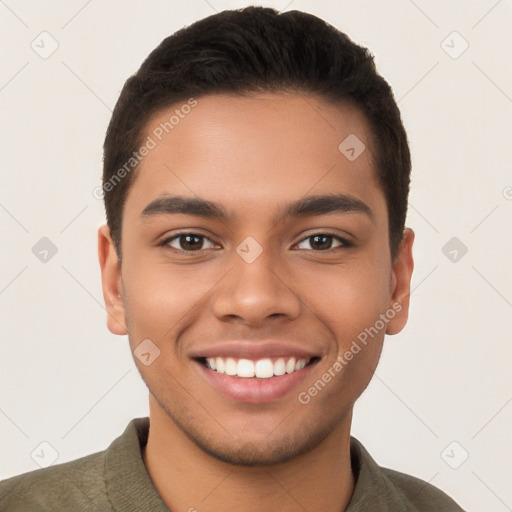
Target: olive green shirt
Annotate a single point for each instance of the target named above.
(117, 480)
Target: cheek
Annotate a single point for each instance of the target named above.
(159, 302)
(161, 298)
(348, 298)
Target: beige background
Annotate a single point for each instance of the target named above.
(67, 381)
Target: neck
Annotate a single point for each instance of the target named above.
(189, 479)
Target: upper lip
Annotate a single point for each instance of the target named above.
(253, 350)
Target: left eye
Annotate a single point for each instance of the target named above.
(189, 242)
(323, 241)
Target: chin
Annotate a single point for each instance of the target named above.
(256, 448)
(253, 454)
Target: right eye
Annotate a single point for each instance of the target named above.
(186, 242)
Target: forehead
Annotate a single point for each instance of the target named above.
(253, 152)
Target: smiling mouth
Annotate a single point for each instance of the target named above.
(264, 368)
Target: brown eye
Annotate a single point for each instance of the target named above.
(188, 242)
(324, 241)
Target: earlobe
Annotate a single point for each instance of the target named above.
(402, 269)
(111, 282)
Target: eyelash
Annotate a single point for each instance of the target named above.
(164, 243)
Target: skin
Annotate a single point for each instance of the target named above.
(253, 154)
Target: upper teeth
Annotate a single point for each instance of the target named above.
(262, 368)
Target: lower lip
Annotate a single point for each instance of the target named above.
(254, 390)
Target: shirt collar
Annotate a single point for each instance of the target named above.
(373, 491)
(129, 486)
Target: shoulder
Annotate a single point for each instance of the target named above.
(74, 485)
(384, 489)
(95, 482)
(420, 494)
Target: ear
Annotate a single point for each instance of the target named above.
(401, 274)
(111, 282)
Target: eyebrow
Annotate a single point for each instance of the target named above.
(304, 207)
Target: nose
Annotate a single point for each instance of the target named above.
(254, 291)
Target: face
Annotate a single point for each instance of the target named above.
(256, 287)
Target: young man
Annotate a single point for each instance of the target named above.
(256, 176)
